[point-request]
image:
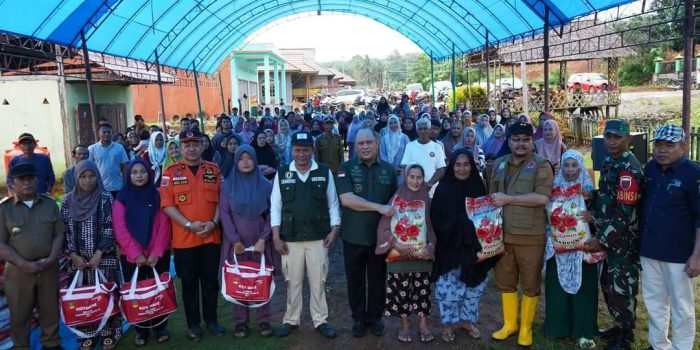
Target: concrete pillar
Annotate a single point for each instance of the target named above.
(526, 94)
(266, 82)
(284, 86)
(234, 84)
(277, 82)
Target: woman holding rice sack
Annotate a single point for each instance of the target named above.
(460, 279)
(571, 283)
(409, 238)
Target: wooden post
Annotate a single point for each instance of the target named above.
(221, 90)
(454, 80)
(688, 55)
(160, 92)
(488, 77)
(88, 79)
(199, 100)
(545, 52)
(432, 78)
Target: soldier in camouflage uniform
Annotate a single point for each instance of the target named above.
(615, 217)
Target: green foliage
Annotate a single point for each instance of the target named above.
(638, 70)
(463, 93)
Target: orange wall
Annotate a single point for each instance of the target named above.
(181, 97)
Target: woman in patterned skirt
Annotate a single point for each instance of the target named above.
(408, 279)
(90, 243)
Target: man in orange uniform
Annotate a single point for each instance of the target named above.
(189, 192)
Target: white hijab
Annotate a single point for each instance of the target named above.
(156, 155)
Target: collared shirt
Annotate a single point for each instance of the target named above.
(45, 175)
(670, 211)
(329, 150)
(109, 160)
(276, 198)
(375, 183)
(30, 231)
(195, 195)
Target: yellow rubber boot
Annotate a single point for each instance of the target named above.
(510, 316)
(527, 317)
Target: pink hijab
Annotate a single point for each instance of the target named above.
(550, 149)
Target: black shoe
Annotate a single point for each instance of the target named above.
(194, 333)
(285, 329)
(610, 333)
(58, 347)
(216, 329)
(326, 330)
(358, 329)
(622, 341)
(377, 328)
(617, 345)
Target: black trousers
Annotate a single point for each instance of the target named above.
(145, 272)
(198, 267)
(366, 275)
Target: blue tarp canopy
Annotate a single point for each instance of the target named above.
(203, 32)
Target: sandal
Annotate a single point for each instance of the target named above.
(108, 343)
(87, 344)
(448, 335)
(426, 337)
(241, 331)
(140, 340)
(163, 336)
(265, 330)
(472, 330)
(405, 336)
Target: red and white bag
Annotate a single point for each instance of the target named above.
(488, 223)
(247, 283)
(88, 305)
(148, 299)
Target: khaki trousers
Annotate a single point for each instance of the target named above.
(521, 263)
(312, 256)
(25, 292)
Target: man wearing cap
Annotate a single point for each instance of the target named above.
(30, 246)
(44, 170)
(110, 158)
(619, 188)
(305, 219)
(329, 146)
(521, 183)
(189, 192)
(670, 240)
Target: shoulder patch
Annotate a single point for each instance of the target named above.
(627, 188)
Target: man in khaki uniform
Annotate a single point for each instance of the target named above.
(31, 237)
(521, 183)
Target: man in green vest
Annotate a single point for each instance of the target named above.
(521, 183)
(305, 219)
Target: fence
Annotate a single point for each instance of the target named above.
(557, 103)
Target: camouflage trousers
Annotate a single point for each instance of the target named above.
(619, 282)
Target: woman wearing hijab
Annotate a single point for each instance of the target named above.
(173, 154)
(245, 217)
(208, 149)
(316, 128)
(283, 142)
(355, 125)
(505, 114)
(571, 283)
(408, 280)
(393, 145)
(495, 142)
(469, 143)
(483, 130)
(460, 280)
(225, 161)
(143, 232)
(409, 128)
(155, 156)
(90, 243)
(266, 157)
(446, 126)
(539, 132)
(452, 138)
(383, 106)
(550, 145)
(246, 134)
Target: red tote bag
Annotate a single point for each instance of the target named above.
(88, 305)
(247, 283)
(149, 299)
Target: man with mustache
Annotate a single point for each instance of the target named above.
(521, 183)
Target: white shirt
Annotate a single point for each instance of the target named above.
(331, 196)
(430, 156)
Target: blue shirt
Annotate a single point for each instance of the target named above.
(109, 160)
(670, 211)
(44, 170)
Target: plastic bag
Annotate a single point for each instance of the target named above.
(408, 227)
(569, 231)
(488, 223)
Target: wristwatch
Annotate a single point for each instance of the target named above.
(187, 225)
(335, 227)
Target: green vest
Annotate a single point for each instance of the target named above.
(304, 205)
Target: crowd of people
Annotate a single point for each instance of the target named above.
(282, 187)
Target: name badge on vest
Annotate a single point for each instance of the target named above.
(318, 178)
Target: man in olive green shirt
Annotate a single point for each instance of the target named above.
(365, 186)
(329, 147)
(31, 237)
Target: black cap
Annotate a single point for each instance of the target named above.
(302, 138)
(328, 120)
(190, 135)
(26, 136)
(21, 170)
(520, 128)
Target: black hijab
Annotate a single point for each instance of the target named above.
(228, 159)
(141, 204)
(457, 244)
(412, 134)
(266, 155)
(208, 153)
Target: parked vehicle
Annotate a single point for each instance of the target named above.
(348, 97)
(590, 82)
(416, 94)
